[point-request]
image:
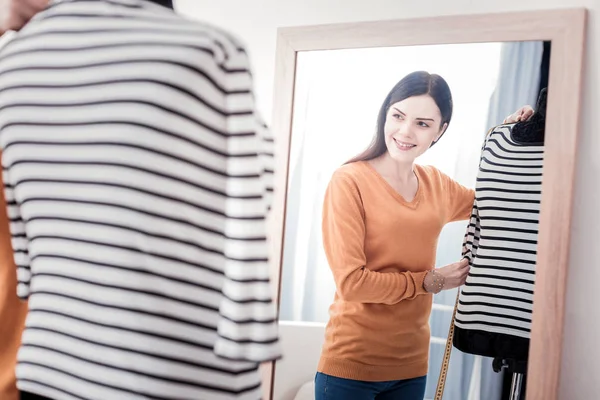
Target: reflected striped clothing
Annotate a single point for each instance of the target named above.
(501, 239)
(138, 179)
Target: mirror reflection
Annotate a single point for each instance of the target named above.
(414, 185)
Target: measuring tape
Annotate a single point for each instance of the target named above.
(439, 392)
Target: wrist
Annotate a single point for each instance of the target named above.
(434, 282)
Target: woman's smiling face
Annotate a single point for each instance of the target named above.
(411, 126)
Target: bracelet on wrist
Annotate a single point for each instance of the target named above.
(436, 282)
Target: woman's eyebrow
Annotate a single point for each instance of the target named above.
(420, 119)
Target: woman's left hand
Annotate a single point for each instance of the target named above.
(522, 114)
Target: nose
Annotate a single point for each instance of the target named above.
(405, 130)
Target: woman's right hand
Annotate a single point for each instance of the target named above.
(522, 114)
(17, 13)
(454, 274)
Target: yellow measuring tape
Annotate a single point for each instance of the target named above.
(439, 392)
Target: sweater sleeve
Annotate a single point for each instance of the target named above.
(460, 200)
(19, 240)
(343, 240)
(247, 328)
(471, 239)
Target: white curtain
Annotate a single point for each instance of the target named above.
(337, 97)
(518, 80)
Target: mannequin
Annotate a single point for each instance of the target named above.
(532, 131)
(493, 315)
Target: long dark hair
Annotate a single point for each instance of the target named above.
(414, 84)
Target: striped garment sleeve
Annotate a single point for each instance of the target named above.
(19, 241)
(471, 239)
(247, 330)
(266, 157)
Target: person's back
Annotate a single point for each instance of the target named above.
(136, 175)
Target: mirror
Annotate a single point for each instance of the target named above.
(330, 81)
(359, 325)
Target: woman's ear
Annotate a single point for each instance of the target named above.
(439, 135)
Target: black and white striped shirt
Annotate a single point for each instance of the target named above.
(501, 239)
(138, 178)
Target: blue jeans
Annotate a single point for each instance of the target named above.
(329, 387)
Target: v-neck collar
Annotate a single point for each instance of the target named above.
(411, 204)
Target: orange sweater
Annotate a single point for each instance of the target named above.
(12, 310)
(379, 248)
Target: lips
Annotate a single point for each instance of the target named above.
(403, 145)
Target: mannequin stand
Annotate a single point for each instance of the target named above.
(518, 370)
(516, 387)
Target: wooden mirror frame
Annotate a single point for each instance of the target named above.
(566, 29)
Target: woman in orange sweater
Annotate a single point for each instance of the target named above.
(382, 216)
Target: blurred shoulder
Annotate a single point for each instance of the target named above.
(351, 172)
(430, 171)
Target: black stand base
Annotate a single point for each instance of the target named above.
(518, 369)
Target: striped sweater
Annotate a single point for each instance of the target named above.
(138, 178)
(501, 240)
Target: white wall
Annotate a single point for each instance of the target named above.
(256, 22)
(301, 343)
